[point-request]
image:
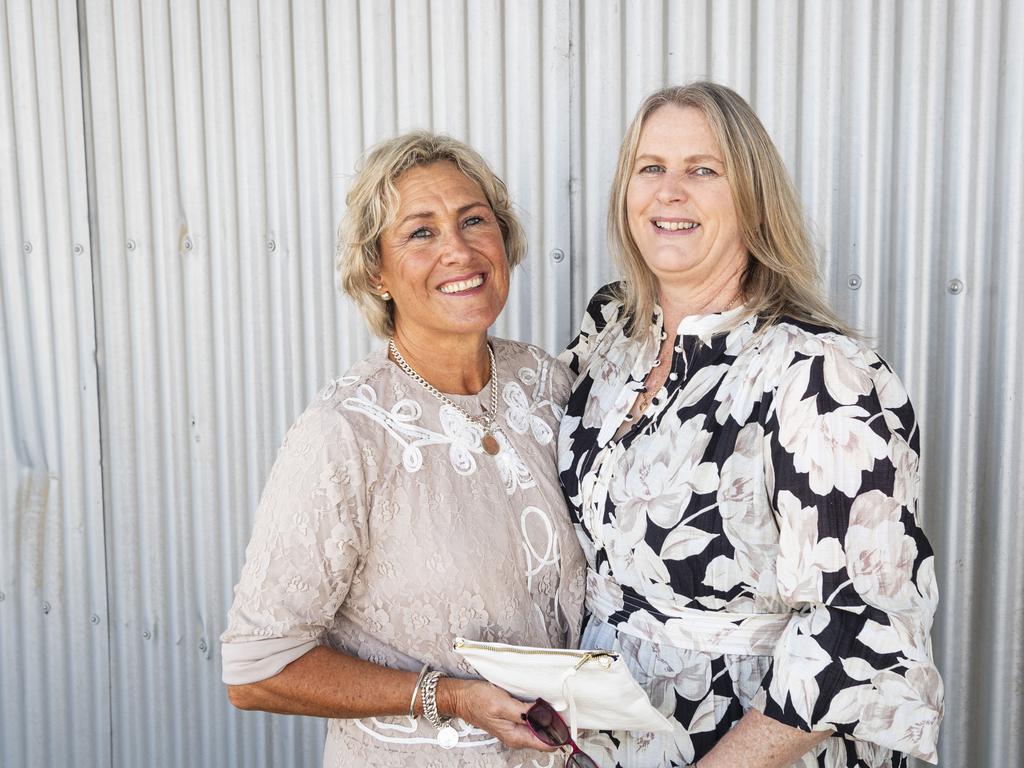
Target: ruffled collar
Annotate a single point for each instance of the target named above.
(704, 327)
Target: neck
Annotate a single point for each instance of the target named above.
(716, 293)
(456, 365)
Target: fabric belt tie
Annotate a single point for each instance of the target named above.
(668, 622)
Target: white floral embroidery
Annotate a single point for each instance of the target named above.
(519, 414)
(384, 530)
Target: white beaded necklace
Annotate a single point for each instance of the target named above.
(485, 420)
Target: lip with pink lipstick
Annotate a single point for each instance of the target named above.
(463, 285)
(674, 227)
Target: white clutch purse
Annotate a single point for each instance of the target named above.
(593, 689)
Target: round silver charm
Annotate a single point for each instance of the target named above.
(490, 444)
(447, 737)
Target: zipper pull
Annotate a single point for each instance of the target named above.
(604, 656)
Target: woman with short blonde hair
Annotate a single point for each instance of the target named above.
(407, 503)
(373, 201)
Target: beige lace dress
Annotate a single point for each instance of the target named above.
(385, 531)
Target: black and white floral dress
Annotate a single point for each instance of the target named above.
(752, 539)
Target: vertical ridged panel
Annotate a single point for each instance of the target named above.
(54, 682)
(221, 139)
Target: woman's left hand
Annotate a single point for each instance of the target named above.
(488, 707)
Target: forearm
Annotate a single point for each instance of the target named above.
(329, 683)
(757, 741)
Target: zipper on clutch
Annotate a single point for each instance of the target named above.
(605, 658)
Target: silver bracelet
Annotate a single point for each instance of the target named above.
(415, 690)
(429, 686)
(447, 736)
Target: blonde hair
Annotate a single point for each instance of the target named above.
(781, 278)
(372, 204)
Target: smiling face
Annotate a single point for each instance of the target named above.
(443, 259)
(678, 202)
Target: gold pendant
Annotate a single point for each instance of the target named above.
(490, 444)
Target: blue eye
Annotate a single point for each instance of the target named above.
(651, 169)
(420, 234)
(704, 171)
(472, 221)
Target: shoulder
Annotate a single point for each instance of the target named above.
(834, 368)
(330, 411)
(797, 340)
(604, 307)
(533, 368)
(604, 312)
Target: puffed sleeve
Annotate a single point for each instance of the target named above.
(602, 310)
(842, 472)
(307, 542)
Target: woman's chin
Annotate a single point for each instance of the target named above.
(469, 324)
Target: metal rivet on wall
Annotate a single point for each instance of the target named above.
(146, 634)
(188, 243)
(202, 646)
(853, 282)
(27, 247)
(271, 245)
(131, 245)
(558, 255)
(94, 619)
(78, 250)
(46, 607)
(955, 286)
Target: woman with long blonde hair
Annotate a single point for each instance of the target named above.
(743, 471)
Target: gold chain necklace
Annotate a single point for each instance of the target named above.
(485, 420)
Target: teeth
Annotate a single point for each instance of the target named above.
(672, 226)
(462, 285)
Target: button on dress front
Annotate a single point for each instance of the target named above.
(752, 538)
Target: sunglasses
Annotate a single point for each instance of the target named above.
(548, 726)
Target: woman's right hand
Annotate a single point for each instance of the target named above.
(489, 708)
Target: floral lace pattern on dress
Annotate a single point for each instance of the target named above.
(385, 530)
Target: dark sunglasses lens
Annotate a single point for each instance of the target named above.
(580, 760)
(549, 727)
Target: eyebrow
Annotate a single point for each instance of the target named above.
(429, 215)
(690, 159)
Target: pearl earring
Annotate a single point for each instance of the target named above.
(385, 296)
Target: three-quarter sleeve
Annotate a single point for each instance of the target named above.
(841, 470)
(307, 543)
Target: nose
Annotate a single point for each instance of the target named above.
(672, 188)
(456, 249)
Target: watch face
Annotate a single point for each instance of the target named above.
(447, 737)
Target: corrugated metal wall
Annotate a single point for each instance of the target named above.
(54, 652)
(171, 176)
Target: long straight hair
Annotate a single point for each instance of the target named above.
(781, 277)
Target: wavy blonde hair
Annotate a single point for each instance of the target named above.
(372, 204)
(781, 278)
